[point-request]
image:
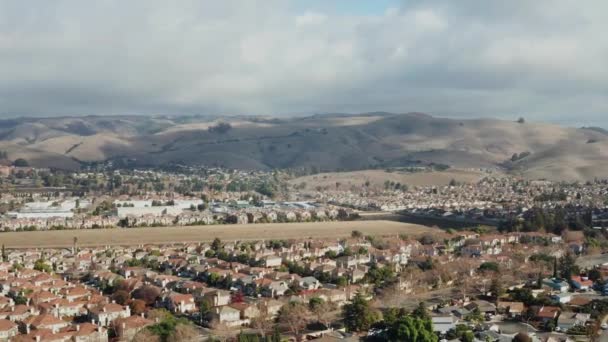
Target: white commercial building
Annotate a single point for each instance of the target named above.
(123, 212)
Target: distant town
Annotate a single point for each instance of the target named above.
(498, 259)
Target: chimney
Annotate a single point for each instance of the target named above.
(77, 327)
(93, 321)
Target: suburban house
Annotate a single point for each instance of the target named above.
(104, 314)
(309, 283)
(227, 315)
(179, 303)
(8, 329)
(581, 283)
(568, 320)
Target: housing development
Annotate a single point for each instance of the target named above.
(512, 258)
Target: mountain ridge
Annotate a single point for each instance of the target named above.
(329, 142)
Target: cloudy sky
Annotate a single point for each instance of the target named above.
(543, 59)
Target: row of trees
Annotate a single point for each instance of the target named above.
(549, 220)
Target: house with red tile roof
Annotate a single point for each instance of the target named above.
(546, 313)
(44, 321)
(179, 303)
(8, 329)
(104, 314)
(581, 283)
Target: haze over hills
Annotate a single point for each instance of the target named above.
(322, 142)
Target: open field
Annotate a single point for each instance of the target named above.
(159, 235)
(376, 178)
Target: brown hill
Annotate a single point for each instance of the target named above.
(322, 142)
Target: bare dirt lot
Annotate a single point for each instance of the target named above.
(159, 235)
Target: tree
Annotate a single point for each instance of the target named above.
(421, 311)
(183, 332)
(489, 266)
(169, 327)
(522, 337)
(276, 335)
(42, 266)
(412, 329)
(555, 274)
(567, 267)
(358, 315)
(137, 306)
(356, 234)
(594, 274)
(263, 322)
(242, 337)
(237, 297)
(475, 316)
(497, 288)
(320, 308)
(204, 309)
(216, 245)
(294, 316)
(147, 293)
(145, 335)
(341, 281)
(521, 120)
(121, 297)
(21, 300)
(461, 332)
(4, 255)
(20, 162)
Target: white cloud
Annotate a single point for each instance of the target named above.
(310, 18)
(544, 59)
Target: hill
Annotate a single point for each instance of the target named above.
(332, 142)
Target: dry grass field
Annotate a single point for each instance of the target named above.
(160, 235)
(376, 178)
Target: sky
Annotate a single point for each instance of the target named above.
(545, 60)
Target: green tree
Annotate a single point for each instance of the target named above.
(489, 267)
(20, 300)
(216, 245)
(358, 315)
(412, 329)
(20, 162)
(496, 287)
(567, 267)
(41, 265)
(421, 311)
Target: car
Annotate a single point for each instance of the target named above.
(604, 326)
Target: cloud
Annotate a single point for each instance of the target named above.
(310, 18)
(541, 59)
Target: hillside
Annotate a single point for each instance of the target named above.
(331, 142)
